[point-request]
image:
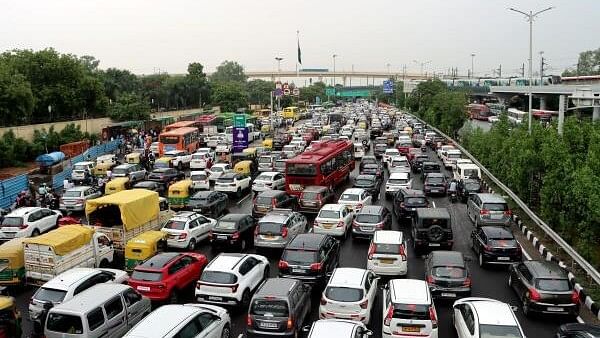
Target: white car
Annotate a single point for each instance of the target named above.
(349, 294)
(213, 141)
(355, 199)
(28, 222)
(269, 180)
(483, 317)
(450, 158)
(74, 199)
(339, 328)
(200, 180)
(154, 148)
(189, 320)
(359, 150)
(333, 219)
(231, 279)
(201, 160)
(493, 119)
(186, 229)
(265, 163)
(408, 310)
(387, 253)
(397, 181)
(441, 151)
(398, 162)
(289, 151)
(218, 169)
(388, 154)
(179, 158)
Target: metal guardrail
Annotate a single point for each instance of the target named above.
(585, 265)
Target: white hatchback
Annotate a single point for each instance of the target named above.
(397, 181)
(475, 317)
(200, 180)
(355, 199)
(387, 253)
(186, 229)
(28, 222)
(334, 220)
(269, 180)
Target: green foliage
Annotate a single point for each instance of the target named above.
(259, 91)
(588, 64)
(16, 97)
(310, 93)
(229, 71)
(129, 107)
(230, 96)
(119, 81)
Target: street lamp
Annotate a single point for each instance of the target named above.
(530, 17)
(334, 56)
(472, 64)
(278, 59)
(422, 64)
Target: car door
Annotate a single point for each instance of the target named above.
(194, 229)
(279, 181)
(480, 240)
(255, 273)
(47, 219)
(471, 207)
(136, 309)
(116, 320)
(35, 221)
(366, 198)
(372, 292)
(209, 325)
(204, 226)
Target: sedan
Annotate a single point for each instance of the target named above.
(268, 180)
(370, 183)
(165, 175)
(209, 203)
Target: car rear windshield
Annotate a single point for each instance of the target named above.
(146, 276)
(431, 167)
(397, 181)
(495, 206)
(411, 311)
(72, 193)
(264, 200)
(174, 225)
(198, 177)
(12, 221)
(344, 294)
(225, 179)
(226, 225)
(435, 180)
(49, 295)
(269, 228)
(472, 186)
(64, 323)
(265, 159)
(350, 197)
(442, 222)
(449, 272)
(558, 285)
(218, 277)
(299, 256)
(363, 182)
(119, 171)
(368, 218)
(334, 214)
(503, 242)
(386, 248)
(309, 196)
(415, 201)
(270, 308)
(495, 331)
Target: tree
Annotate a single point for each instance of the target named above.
(119, 81)
(16, 97)
(588, 64)
(310, 93)
(197, 86)
(129, 107)
(229, 96)
(229, 71)
(259, 91)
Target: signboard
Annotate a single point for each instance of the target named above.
(278, 92)
(278, 85)
(239, 120)
(296, 91)
(329, 91)
(240, 139)
(388, 87)
(354, 93)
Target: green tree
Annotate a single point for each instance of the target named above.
(129, 107)
(259, 91)
(197, 86)
(588, 64)
(229, 96)
(16, 98)
(229, 71)
(119, 81)
(310, 93)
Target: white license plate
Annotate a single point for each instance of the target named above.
(268, 325)
(222, 237)
(298, 270)
(447, 294)
(435, 190)
(218, 299)
(143, 288)
(434, 244)
(503, 258)
(556, 309)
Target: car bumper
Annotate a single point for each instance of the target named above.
(263, 243)
(205, 186)
(387, 334)
(435, 191)
(224, 242)
(358, 232)
(399, 269)
(558, 309)
(425, 244)
(226, 189)
(487, 221)
(333, 231)
(254, 333)
(197, 165)
(260, 189)
(449, 293)
(362, 316)
(72, 207)
(318, 279)
(179, 244)
(501, 259)
(216, 299)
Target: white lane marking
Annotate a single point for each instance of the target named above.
(243, 199)
(580, 320)
(241, 335)
(433, 202)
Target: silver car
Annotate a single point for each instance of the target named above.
(278, 227)
(488, 209)
(135, 172)
(74, 199)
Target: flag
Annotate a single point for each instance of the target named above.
(299, 52)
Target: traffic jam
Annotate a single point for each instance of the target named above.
(355, 220)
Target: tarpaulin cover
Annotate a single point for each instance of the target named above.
(13, 251)
(64, 239)
(137, 206)
(46, 160)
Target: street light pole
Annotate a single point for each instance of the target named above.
(334, 56)
(473, 64)
(530, 17)
(278, 59)
(422, 64)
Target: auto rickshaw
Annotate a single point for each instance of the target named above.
(163, 162)
(266, 130)
(116, 184)
(268, 143)
(179, 194)
(246, 167)
(10, 318)
(143, 246)
(250, 153)
(105, 163)
(133, 158)
(12, 263)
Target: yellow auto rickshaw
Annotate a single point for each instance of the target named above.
(104, 163)
(10, 318)
(246, 167)
(116, 184)
(133, 158)
(266, 129)
(268, 143)
(163, 162)
(12, 263)
(179, 194)
(250, 153)
(144, 246)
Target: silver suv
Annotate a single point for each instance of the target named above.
(135, 172)
(488, 209)
(278, 227)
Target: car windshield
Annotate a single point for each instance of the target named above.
(301, 169)
(472, 186)
(12, 221)
(269, 228)
(350, 197)
(64, 323)
(174, 225)
(198, 177)
(226, 225)
(269, 308)
(344, 294)
(334, 214)
(415, 201)
(49, 295)
(218, 277)
(309, 196)
(435, 180)
(558, 285)
(366, 218)
(503, 242)
(217, 169)
(146, 276)
(80, 167)
(387, 248)
(72, 193)
(264, 159)
(499, 331)
(299, 256)
(363, 182)
(264, 177)
(449, 272)
(495, 206)
(397, 181)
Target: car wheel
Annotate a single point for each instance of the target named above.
(35, 233)
(481, 261)
(245, 299)
(192, 244)
(226, 332)
(266, 273)
(526, 311)
(174, 297)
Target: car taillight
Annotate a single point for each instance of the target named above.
(467, 282)
(534, 296)
(290, 323)
(274, 203)
(283, 265)
(508, 212)
(183, 235)
(364, 304)
(430, 279)
(323, 301)
(249, 321)
(487, 248)
(388, 317)
(354, 224)
(340, 224)
(236, 235)
(575, 297)
(433, 317)
(23, 226)
(402, 252)
(484, 212)
(316, 266)
(284, 232)
(401, 204)
(359, 206)
(371, 251)
(379, 225)
(234, 288)
(210, 235)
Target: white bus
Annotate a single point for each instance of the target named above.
(516, 116)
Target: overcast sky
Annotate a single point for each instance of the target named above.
(146, 35)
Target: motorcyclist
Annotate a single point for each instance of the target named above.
(452, 189)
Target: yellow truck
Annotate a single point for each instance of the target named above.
(291, 113)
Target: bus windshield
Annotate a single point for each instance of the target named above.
(169, 139)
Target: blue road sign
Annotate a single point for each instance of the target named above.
(240, 139)
(388, 87)
(278, 92)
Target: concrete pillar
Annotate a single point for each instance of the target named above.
(562, 105)
(596, 114)
(542, 102)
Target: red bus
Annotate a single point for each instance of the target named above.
(479, 111)
(182, 124)
(179, 139)
(327, 164)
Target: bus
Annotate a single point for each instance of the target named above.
(291, 113)
(182, 124)
(179, 139)
(478, 111)
(328, 164)
(516, 116)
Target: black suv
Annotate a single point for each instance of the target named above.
(467, 187)
(416, 164)
(309, 258)
(233, 230)
(544, 287)
(367, 160)
(495, 245)
(432, 228)
(369, 219)
(279, 307)
(209, 203)
(407, 201)
(370, 183)
(429, 167)
(269, 199)
(447, 274)
(435, 183)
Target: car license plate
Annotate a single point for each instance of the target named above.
(556, 309)
(269, 237)
(268, 325)
(327, 226)
(298, 270)
(435, 190)
(448, 294)
(434, 244)
(503, 258)
(386, 260)
(410, 329)
(143, 288)
(218, 299)
(69, 207)
(222, 237)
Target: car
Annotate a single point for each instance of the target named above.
(367, 159)
(309, 258)
(429, 167)
(432, 228)
(233, 183)
(372, 169)
(218, 169)
(184, 320)
(165, 275)
(200, 180)
(290, 151)
(355, 198)
(134, 172)
(578, 330)
(313, 197)
(203, 158)
(268, 180)
(209, 203)
(397, 181)
(279, 308)
(388, 154)
(68, 284)
(370, 183)
(397, 162)
(82, 171)
(495, 245)
(28, 222)
(408, 310)
(349, 294)
(417, 163)
(449, 158)
(339, 328)
(370, 219)
(468, 186)
(447, 275)
(213, 141)
(278, 227)
(73, 199)
(334, 220)
(267, 200)
(476, 317)
(233, 230)
(186, 229)
(488, 209)
(151, 185)
(165, 175)
(387, 253)
(544, 288)
(435, 184)
(179, 158)
(441, 151)
(379, 149)
(266, 162)
(279, 165)
(407, 201)
(231, 279)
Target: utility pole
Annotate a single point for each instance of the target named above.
(542, 68)
(473, 64)
(334, 56)
(500, 71)
(523, 70)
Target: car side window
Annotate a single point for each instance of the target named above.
(131, 297)
(84, 286)
(525, 272)
(175, 267)
(187, 260)
(33, 216)
(95, 319)
(190, 330)
(204, 320)
(467, 315)
(245, 267)
(113, 307)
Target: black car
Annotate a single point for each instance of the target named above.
(544, 288)
(467, 187)
(432, 228)
(370, 219)
(370, 183)
(209, 203)
(435, 184)
(429, 167)
(235, 230)
(309, 258)
(376, 131)
(372, 169)
(152, 186)
(406, 203)
(447, 275)
(379, 149)
(367, 160)
(274, 303)
(266, 200)
(578, 330)
(495, 245)
(165, 175)
(417, 162)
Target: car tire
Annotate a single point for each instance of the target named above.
(35, 233)
(245, 302)
(192, 244)
(174, 297)
(481, 261)
(226, 333)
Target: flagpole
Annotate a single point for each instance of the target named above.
(297, 65)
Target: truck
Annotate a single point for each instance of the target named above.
(124, 215)
(59, 250)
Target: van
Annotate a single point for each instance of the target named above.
(466, 170)
(359, 151)
(104, 310)
(488, 209)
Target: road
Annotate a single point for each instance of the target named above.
(490, 282)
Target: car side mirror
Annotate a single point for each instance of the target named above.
(367, 333)
(329, 274)
(306, 328)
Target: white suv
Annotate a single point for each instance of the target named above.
(355, 198)
(231, 279)
(269, 180)
(408, 310)
(186, 229)
(349, 294)
(484, 317)
(218, 169)
(334, 220)
(387, 253)
(397, 181)
(28, 222)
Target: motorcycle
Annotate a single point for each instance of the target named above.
(453, 196)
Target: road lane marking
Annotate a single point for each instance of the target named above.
(243, 199)
(580, 320)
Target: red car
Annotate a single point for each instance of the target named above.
(163, 276)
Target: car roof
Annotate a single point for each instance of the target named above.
(125, 165)
(434, 175)
(490, 311)
(353, 191)
(271, 193)
(70, 277)
(269, 173)
(277, 287)
(229, 175)
(22, 211)
(225, 261)
(203, 193)
(412, 192)
(365, 177)
(447, 258)
(401, 174)
(351, 277)
(306, 241)
(497, 232)
(371, 209)
(91, 298)
(411, 291)
(334, 207)
(232, 217)
(275, 217)
(160, 322)
(158, 261)
(491, 198)
(314, 188)
(388, 237)
(545, 269)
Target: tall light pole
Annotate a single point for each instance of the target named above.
(278, 59)
(530, 17)
(334, 56)
(422, 64)
(472, 64)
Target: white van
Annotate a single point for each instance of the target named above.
(466, 170)
(450, 158)
(359, 151)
